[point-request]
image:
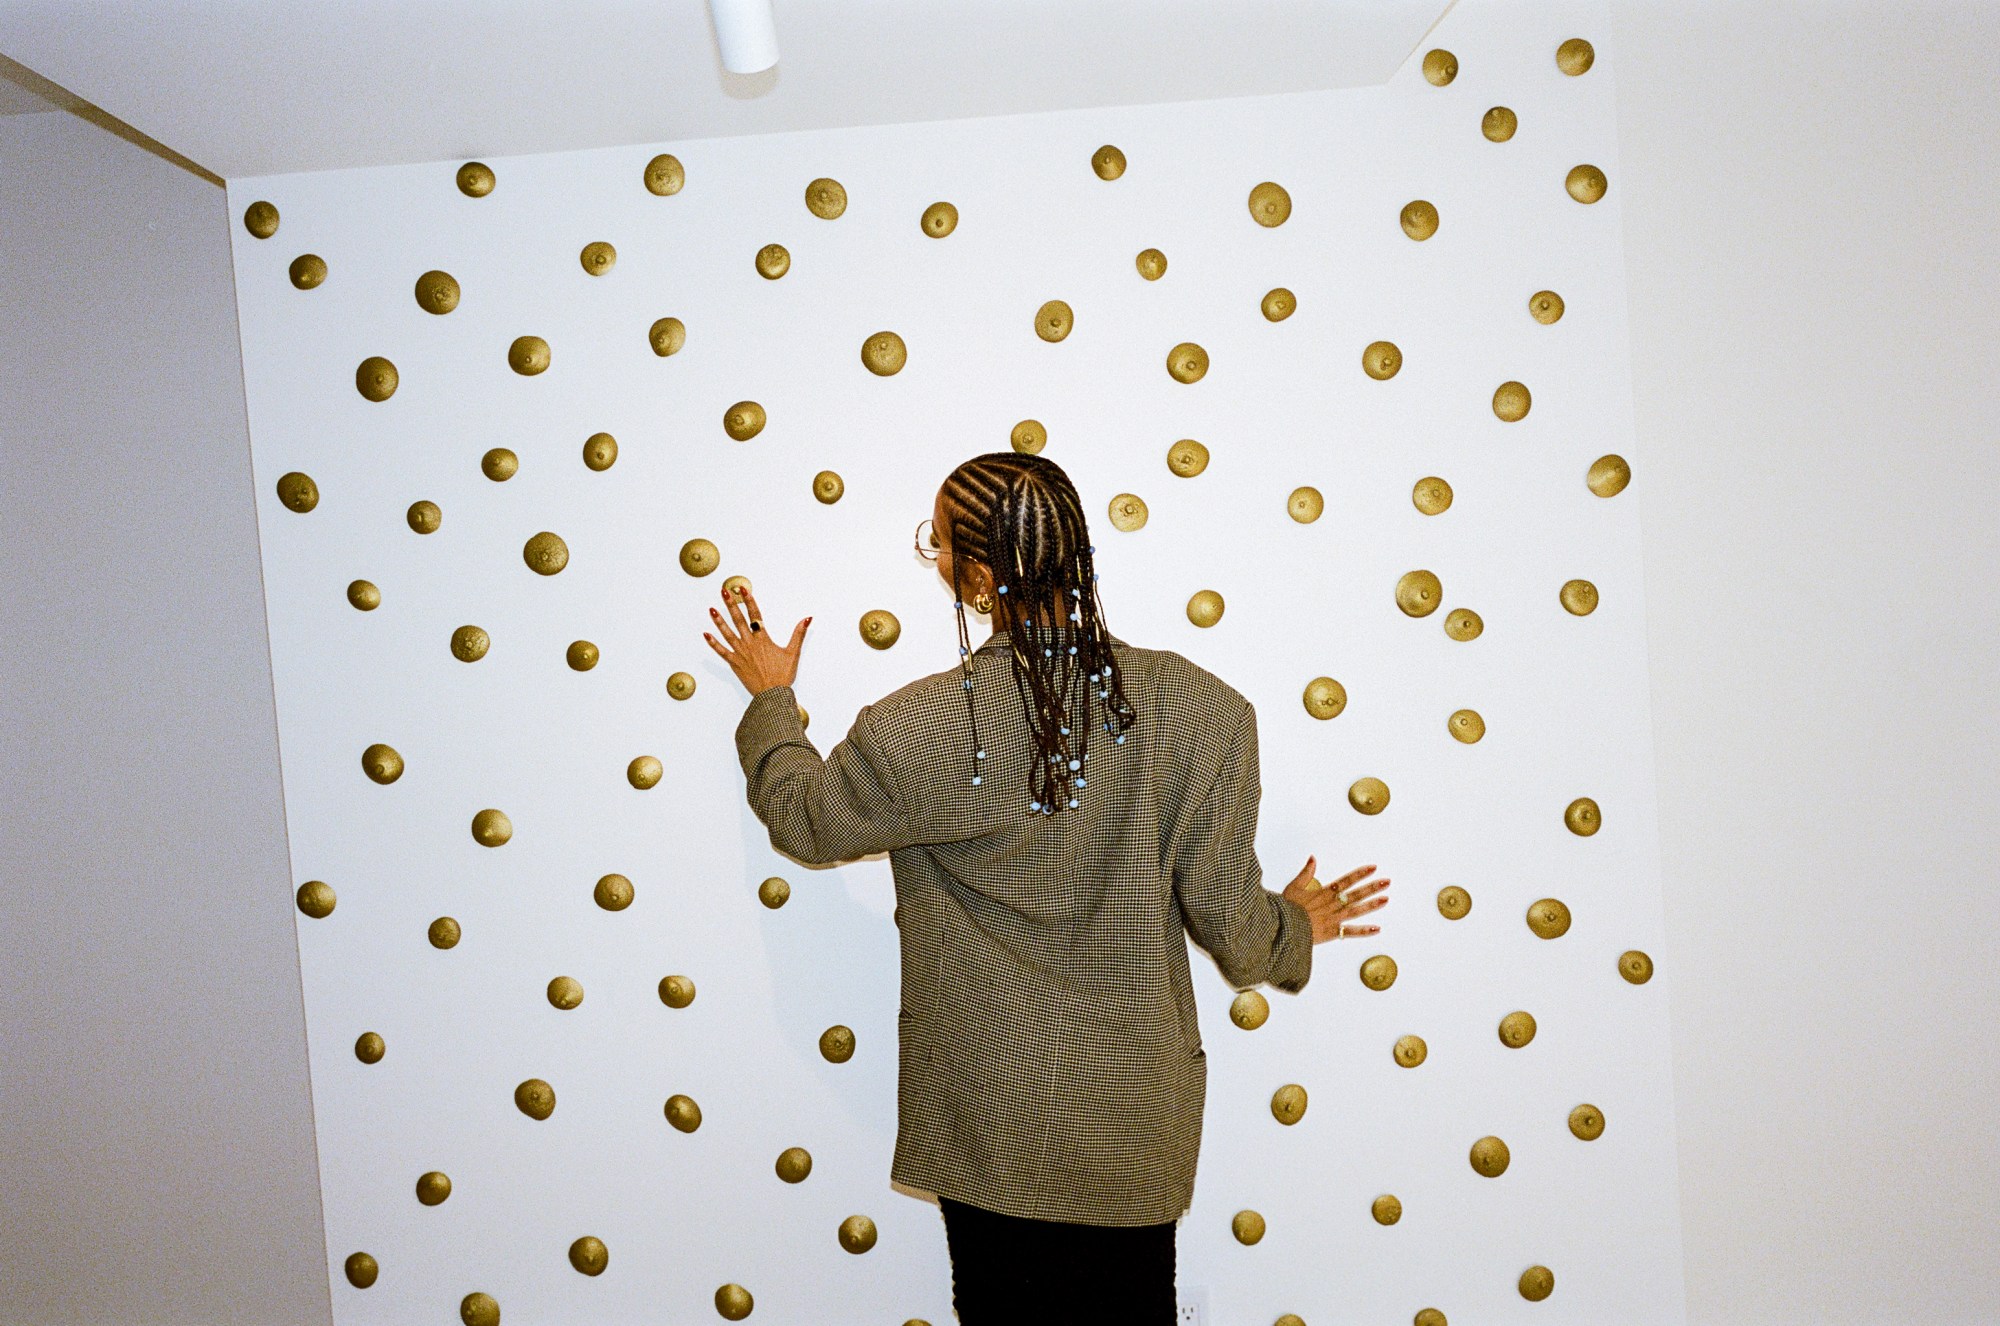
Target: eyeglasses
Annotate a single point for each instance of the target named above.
(928, 546)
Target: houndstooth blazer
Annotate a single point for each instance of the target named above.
(1050, 1061)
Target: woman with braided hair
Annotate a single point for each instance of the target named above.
(1061, 810)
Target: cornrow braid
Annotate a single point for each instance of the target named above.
(1020, 515)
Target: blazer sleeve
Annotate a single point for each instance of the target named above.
(817, 811)
(1254, 934)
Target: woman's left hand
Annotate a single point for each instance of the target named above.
(758, 661)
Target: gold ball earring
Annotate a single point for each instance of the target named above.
(983, 604)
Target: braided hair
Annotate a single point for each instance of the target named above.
(1020, 515)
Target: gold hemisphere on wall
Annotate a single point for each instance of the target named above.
(773, 261)
(492, 828)
(369, 1047)
(581, 655)
(879, 628)
(1152, 264)
(1586, 1123)
(1440, 67)
(1305, 505)
(1545, 306)
(1431, 495)
(1325, 698)
(382, 763)
(1128, 512)
(677, 991)
(535, 1098)
(1279, 304)
(261, 219)
(1410, 1051)
(1187, 458)
(699, 557)
(1453, 902)
(1054, 320)
(644, 771)
(612, 892)
(774, 892)
(731, 584)
(939, 220)
(826, 198)
(1489, 1156)
(528, 355)
(1270, 205)
(375, 378)
(1418, 592)
(598, 257)
(545, 553)
(1575, 56)
(884, 353)
(433, 1186)
(1635, 966)
(1582, 817)
(1424, 1317)
(1463, 624)
(664, 175)
(470, 643)
(1029, 437)
(1608, 475)
(565, 992)
(836, 1044)
(1381, 360)
(499, 464)
(1499, 124)
(1378, 972)
(1466, 725)
(1511, 401)
(743, 420)
(794, 1164)
(1205, 608)
(1548, 918)
(1187, 362)
(1370, 796)
(1107, 161)
(1517, 1029)
(479, 1309)
(857, 1234)
(805, 719)
(667, 336)
(1586, 183)
(589, 1255)
(1537, 1283)
(1578, 597)
(1288, 1103)
(316, 898)
(1419, 219)
(361, 1269)
(1249, 1010)
(680, 685)
(683, 1113)
(476, 179)
(828, 487)
(1387, 1209)
(437, 292)
(298, 492)
(308, 271)
(1247, 1226)
(734, 1302)
(444, 933)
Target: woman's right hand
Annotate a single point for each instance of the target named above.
(1331, 905)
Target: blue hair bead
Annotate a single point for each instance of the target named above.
(1072, 649)
(1002, 589)
(1121, 738)
(1034, 805)
(1080, 783)
(975, 780)
(1074, 764)
(980, 754)
(963, 651)
(1072, 803)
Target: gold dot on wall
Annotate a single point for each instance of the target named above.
(1205, 608)
(1305, 505)
(1466, 725)
(364, 595)
(1324, 697)
(1381, 360)
(1187, 362)
(1249, 1010)
(1511, 401)
(528, 355)
(826, 198)
(1582, 817)
(699, 557)
(382, 763)
(1107, 162)
(375, 378)
(581, 655)
(564, 992)
(1517, 1029)
(476, 179)
(308, 271)
(1608, 475)
(828, 487)
(939, 220)
(545, 553)
(644, 771)
(1440, 67)
(1419, 219)
(1152, 264)
(316, 898)
(734, 1302)
(444, 933)
(298, 492)
(499, 464)
(683, 1113)
(598, 257)
(1128, 512)
(664, 175)
(424, 517)
(1431, 495)
(836, 1044)
(1187, 458)
(1463, 624)
(1247, 1226)
(1279, 304)
(589, 1255)
(437, 292)
(794, 1164)
(681, 685)
(733, 583)
(1489, 1157)
(1545, 306)
(677, 991)
(1270, 205)
(361, 1269)
(433, 1187)
(469, 644)
(1288, 1103)
(773, 261)
(1378, 972)
(880, 628)
(1499, 124)
(1054, 320)
(261, 219)
(1548, 918)
(774, 892)
(1586, 1123)
(1029, 437)
(1370, 796)
(884, 354)
(744, 420)
(1409, 1051)
(1575, 56)
(1453, 902)
(1417, 592)
(1578, 597)
(1635, 966)
(1586, 183)
(667, 336)
(1387, 1210)
(535, 1098)
(1536, 1283)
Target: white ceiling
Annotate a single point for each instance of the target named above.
(275, 86)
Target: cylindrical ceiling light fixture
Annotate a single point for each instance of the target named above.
(747, 34)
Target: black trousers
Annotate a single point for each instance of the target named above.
(1007, 1270)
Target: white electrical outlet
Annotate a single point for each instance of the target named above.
(1193, 1306)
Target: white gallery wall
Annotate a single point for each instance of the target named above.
(159, 1154)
